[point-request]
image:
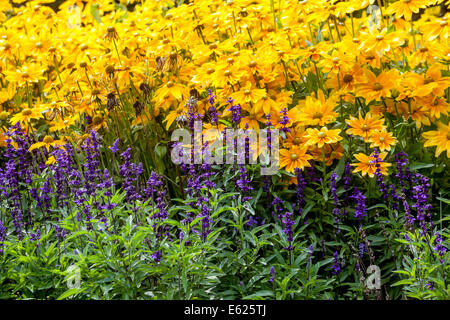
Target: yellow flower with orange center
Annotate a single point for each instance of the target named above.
(377, 87)
(364, 127)
(367, 164)
(322, 136)
(382, 139)
(317, 111)
(439, 138)
(405, 8)
(47, 142)
(294, 158)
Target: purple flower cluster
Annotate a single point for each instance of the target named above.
(336, 267)
(383, 188)
(439, 248)
(360, 210)
(243, 183)
(256, 221)
(362, 249)
(212, 109)
(156, 256)
(288, 222)
(235, 111)
(130, 173)
(421, 201)
(403, 173)
(36, 237)
(284, 121)
(156, 192)
(272, 272)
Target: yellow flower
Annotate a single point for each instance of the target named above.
(379, 41)
(405, 8)
(295, 138)
(317, 111)
(248, 94)
(51, 160)
(27, 73)
(439, 138)
(47, 142)
(382, 139)
(367, 164)
(25, 116)
(322, 136)
(252, 120)
(364, 127)
(377, 87)
(294, 158)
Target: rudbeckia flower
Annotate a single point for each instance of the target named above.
(294, 158)
(364, 127)
(367, 164)
(382, 139)
(439, 138)
(322, 136)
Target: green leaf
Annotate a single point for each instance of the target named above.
(259, 294)
(70, 293)
(419, 165)
(95, 13)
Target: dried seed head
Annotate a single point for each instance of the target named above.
(138, 107)
(145, 88)
(110, 69)
(97, 120)
(111, 101)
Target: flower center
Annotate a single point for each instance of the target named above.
(377, 86)
(97, 120)
(424, 49)
(379, 37)
(348, 78)
(297, 141)
(294, 156)
(169, 84)
(428, 80)
(381, 139)
(110, 69)
(48, 139)
(448, 136)
(39, 45)
(317, 115)
(247, 92)
(365, 127)
(4, 115)
(27, 112)
(321, 134)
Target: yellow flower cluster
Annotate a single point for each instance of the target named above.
(322, 70)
